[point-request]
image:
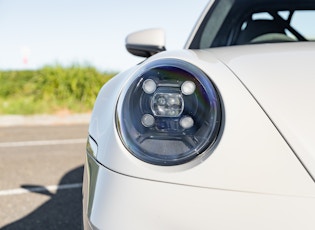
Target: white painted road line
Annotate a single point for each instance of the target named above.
(50, 188)
(41, 143)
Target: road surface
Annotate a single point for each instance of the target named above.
(41, 176)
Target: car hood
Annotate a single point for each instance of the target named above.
(281, 78)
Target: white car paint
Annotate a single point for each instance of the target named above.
(149, 37)
(264, 172)
(258, 175)
(284, 87)
(125, 202)
(228, 167)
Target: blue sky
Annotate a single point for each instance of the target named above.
(34, 33)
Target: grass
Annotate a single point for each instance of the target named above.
(50, 89)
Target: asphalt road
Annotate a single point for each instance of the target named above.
(41, 176)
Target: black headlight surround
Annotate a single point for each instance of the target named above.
(168, 134)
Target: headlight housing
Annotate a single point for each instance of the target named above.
(169, 113)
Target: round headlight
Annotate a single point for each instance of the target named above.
(169, 113)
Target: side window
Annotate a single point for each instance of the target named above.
(303, 22)
(281, 26)
(257, 16)
(261, 27)
(262, 16)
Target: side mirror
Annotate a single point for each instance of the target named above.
(146, 43)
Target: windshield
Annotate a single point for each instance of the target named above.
(238, 22)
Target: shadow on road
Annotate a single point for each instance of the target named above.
(62, 211)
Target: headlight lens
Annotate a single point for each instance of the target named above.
(169, 113)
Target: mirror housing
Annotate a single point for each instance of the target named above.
(146, 43)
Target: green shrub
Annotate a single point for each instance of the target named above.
(50, 89)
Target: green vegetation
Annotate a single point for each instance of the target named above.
(50, 89)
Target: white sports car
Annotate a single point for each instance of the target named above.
(219, 135)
